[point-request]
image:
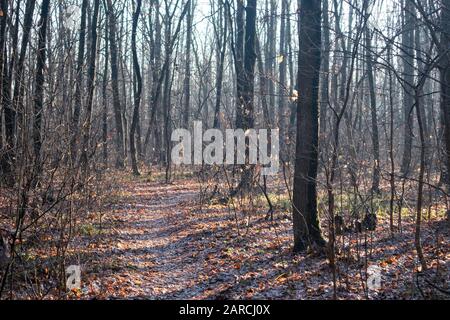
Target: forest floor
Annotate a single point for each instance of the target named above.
(156, 242)
(145, 239)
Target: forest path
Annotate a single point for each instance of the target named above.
(159, 244)
(150, 250)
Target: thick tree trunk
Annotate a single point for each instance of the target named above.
(248, 89)
(305, 216)
(445, 81)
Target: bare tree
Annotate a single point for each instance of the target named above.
(92, 74)
(137, 90)
(40, 81)
(120, 138)
(307, 230)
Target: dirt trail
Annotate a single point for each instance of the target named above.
(160, 245)
(150, 253)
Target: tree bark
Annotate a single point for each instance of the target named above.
(14, 108)
(187, 75)
(239, 61)
(137, 85)
(445, 81)
(120, 139)
(220, 71)
(374, 118)
(92, 74)
(3, 66)
(305, 216)
(325, 79)
(282, 121)
(79, 82)
(408, 71)
(40, 81)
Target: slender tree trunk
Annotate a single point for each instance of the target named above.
(373, 111)
(408, 70)
(120, 138)
(293, 85)
(3, 66)
(187, 76)
(14, 109)
(19, 87)
(249, 65)
(417, 241)
(282, 123)
(105, 101)
(239, 61)
(137, 85)
(79, 82)
(40, 82)
(391, 144)
(155, 74)
(91, 77)
(263, 86)
(271, 56)
(220, 71)
(325, 79)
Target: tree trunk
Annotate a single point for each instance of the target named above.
(79, 82)
(282, 122)
(445, 81)
(220, 71)
(92, 73)
(15, 108)
(325, 79)
(187, 75)
(105, 101)
(40, 81)
(305, 216)
(137, 85)
(249, 66)
(373, 111)
(3, 68)
(239, 61)
(120, 139)
(408, 75)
